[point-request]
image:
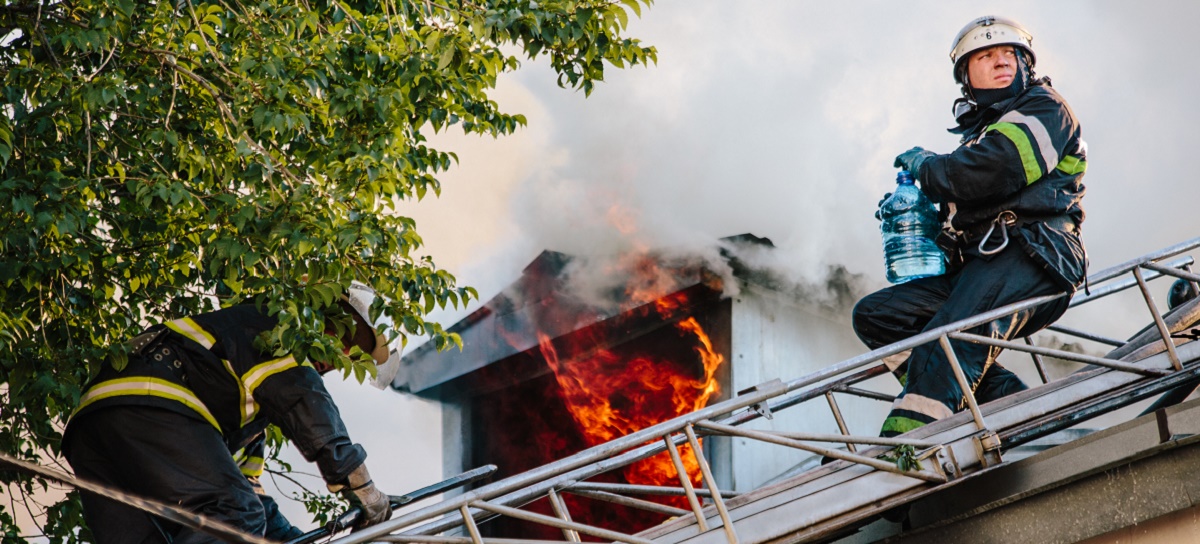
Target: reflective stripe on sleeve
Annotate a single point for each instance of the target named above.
(1033, 171)
(1072, 165)
(1041, 136)
(252, 379)
(246, 407)
(252, 466)
(192, 330)
(147, 386)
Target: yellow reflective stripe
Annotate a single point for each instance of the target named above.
(252, 466)
(1041, 136)
(1072, 165)
(1033, 172)
(247, 411)
(922, 405)
(147, 386)
(192, 330)
(252, 379)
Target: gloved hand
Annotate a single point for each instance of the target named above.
(362, 493)
(912, 160)
(879, 206)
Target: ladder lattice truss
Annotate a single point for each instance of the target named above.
(858, 486)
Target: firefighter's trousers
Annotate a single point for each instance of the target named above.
(980, 284)
(163, 455)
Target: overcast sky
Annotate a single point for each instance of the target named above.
(782, 119)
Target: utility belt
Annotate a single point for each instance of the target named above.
(152, 348)
(982, 236)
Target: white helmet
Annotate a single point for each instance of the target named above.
(988, 31)
(387, 360)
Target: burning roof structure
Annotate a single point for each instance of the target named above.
(554, 364)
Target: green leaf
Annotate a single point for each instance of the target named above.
(158, 166)
(446, 58)
(633, 6)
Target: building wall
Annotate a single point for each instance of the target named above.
(773, 335)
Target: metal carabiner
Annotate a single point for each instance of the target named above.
(1004, 219)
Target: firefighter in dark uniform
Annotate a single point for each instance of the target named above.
(195, 391)
(1010, 201)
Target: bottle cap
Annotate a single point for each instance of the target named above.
(904, 177)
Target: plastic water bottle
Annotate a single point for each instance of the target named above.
(910, 227)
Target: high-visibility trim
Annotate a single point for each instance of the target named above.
(252, 466)
(1033, 171)
(1072, 165)
(1041, 136)
(246, 413)
(192, 330)
(147, 386)
(252, 379)
(896, 425)
(922, 405)
(249, 465)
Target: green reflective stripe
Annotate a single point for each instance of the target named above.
(192, 330)
(1072, 165)
(1041, 136)
(1033, 172)
(900, 424)
(252, 466)
(252, 379)
(147, 386)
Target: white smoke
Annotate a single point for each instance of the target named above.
(781, 118)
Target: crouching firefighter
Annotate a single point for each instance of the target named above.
(1010, 200)
(195, 391)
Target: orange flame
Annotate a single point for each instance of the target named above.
(610, 397)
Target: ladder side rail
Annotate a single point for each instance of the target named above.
(1085, 410)
(853, 363)
(1120, 284)
(864, 359)
(636, 489)
(1173, 271)
(551, 521)
(535, 491)
(1086, 335)
(1170, 251)
(859, 492)
(615, 498)
(558, 470)
(1058, 353)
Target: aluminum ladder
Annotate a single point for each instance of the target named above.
(821, 503)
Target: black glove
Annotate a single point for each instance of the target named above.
(362, 493)
(912, 160)
(879, 206)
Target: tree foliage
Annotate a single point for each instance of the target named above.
(159, 159)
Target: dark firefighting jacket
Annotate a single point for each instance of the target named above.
(214, 368)
(1022, 155)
